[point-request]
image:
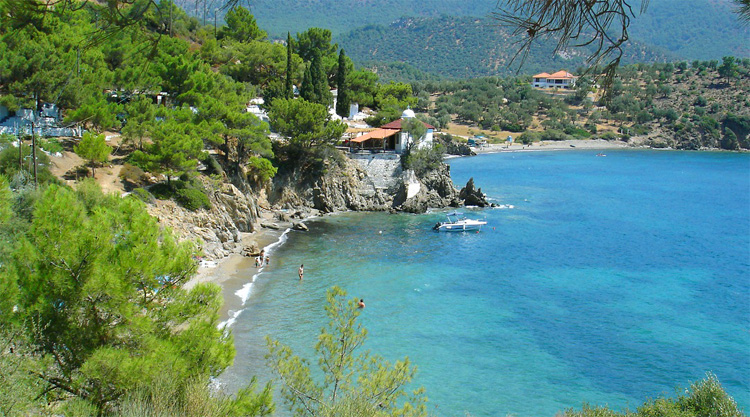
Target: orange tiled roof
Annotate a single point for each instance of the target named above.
(542, 75)
(375, 134)
(561, 75)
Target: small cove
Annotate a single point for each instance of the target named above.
(611, 280)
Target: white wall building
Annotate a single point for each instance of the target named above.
(560, 79)
(392, 137)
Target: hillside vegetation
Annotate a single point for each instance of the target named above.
(693, 29)
(702, 104)
(466, 47)
(688, 29)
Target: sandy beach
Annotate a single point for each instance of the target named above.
(218, 271)
(593, 144)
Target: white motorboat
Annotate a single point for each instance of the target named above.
(457, 222)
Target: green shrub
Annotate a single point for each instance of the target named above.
(528, 137)
(703, 398)
(162, 191)
(422, 161)
(143, 195)
(708, 398)
(260, 169)
(131, 173)
(577, 132)
(51, 145)
(192, 199)
(212, 165)
(609, 135)
(555, 135)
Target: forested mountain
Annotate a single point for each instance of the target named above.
(685, 27)
(466, 47)
(693, 29)
(340, 16)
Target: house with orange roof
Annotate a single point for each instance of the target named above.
(391, 137)
(560, 79)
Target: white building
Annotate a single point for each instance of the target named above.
(560, 79)
(391, 137)
(254, 108)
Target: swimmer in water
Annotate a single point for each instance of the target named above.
(361, 303)
(301, 271)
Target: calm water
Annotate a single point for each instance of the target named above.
(611, 280)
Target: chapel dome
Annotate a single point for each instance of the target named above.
(408, 114)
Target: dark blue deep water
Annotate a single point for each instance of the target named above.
(611, 280)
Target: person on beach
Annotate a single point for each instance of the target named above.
(267, 260)
(257, 261)
(301, 271)
(361, 303)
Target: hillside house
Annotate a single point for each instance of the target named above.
(560, 79)
(391, 137)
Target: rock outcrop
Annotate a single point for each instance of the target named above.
(455, 148)
(374, 183)
(435, 191)
(472, 196)
(370, 183)
(217, 230)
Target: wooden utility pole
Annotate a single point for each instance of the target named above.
(20, 147)
(33, 153)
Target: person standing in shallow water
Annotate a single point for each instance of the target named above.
(361, 303)
(301, 271)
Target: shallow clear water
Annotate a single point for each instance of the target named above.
(611, 280)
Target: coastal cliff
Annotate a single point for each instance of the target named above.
(217, 229)
(357, 183)
(372, 182)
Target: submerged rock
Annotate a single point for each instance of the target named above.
(300, 226)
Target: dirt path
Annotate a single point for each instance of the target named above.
(107, 176)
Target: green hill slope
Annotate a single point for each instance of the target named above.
(464, 47)
(693, 29)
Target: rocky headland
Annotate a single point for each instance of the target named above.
(366, 182)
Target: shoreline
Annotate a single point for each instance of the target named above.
(225, 270)
(579, 144)
(220, 271)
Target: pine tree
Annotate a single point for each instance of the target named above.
(355, 382)
(94, 149)
(343, 100)
(288, 89)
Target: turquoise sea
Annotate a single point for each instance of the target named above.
(610, 280)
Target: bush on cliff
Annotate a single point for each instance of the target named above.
(424, 160)
(192, 199)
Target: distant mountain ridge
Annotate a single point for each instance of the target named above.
(669, 30)
(466, 47)
(693, 29)
(690, 29)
